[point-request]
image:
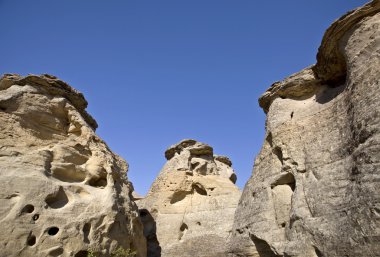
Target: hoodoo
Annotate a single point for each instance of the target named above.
(189, 209)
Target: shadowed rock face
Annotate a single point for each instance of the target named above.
(190, 207)
(315, 186)
(63, 190)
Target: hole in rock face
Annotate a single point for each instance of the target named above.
(98, 182)
(31, 240)
(57, 200)
(233, 178)
(28, 209)
(183, 227)
(143, 213)
(291, 115)
(36, 217)
(194, 165)
(283, 224)
(56, 252)
(53, 231)
(199, 189)
(86, 232)
(285, 179)
(3, 109)
(82, 254)
(199, 223)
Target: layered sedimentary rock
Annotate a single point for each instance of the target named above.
(315, 186)
(189, 209)
(63, 192)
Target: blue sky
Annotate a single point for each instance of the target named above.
(156, 72)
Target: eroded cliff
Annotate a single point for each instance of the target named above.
(314, 190)
(64, 193)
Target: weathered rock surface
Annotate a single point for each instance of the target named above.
(190, 207)
(315, 186)
(62, 189)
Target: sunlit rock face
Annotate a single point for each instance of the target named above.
(314, 190)
(63, 191)
(190, 207)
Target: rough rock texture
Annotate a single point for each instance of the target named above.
(62, 190)
(190, 207)
(315, 186)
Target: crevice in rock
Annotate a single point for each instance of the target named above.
(263, 248)
(269, 139)
(318, 252)
(278, 152)
(86, 231)
(153, 246)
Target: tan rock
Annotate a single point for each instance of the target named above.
(189, 208)
(315, 186)
(63, 191)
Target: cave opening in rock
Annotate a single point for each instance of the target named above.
(53, 231)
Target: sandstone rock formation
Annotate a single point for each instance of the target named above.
(190, 207)
(315, 186)
(63, 191)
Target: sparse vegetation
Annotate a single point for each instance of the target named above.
(119, 252)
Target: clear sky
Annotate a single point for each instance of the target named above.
(158, 71)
